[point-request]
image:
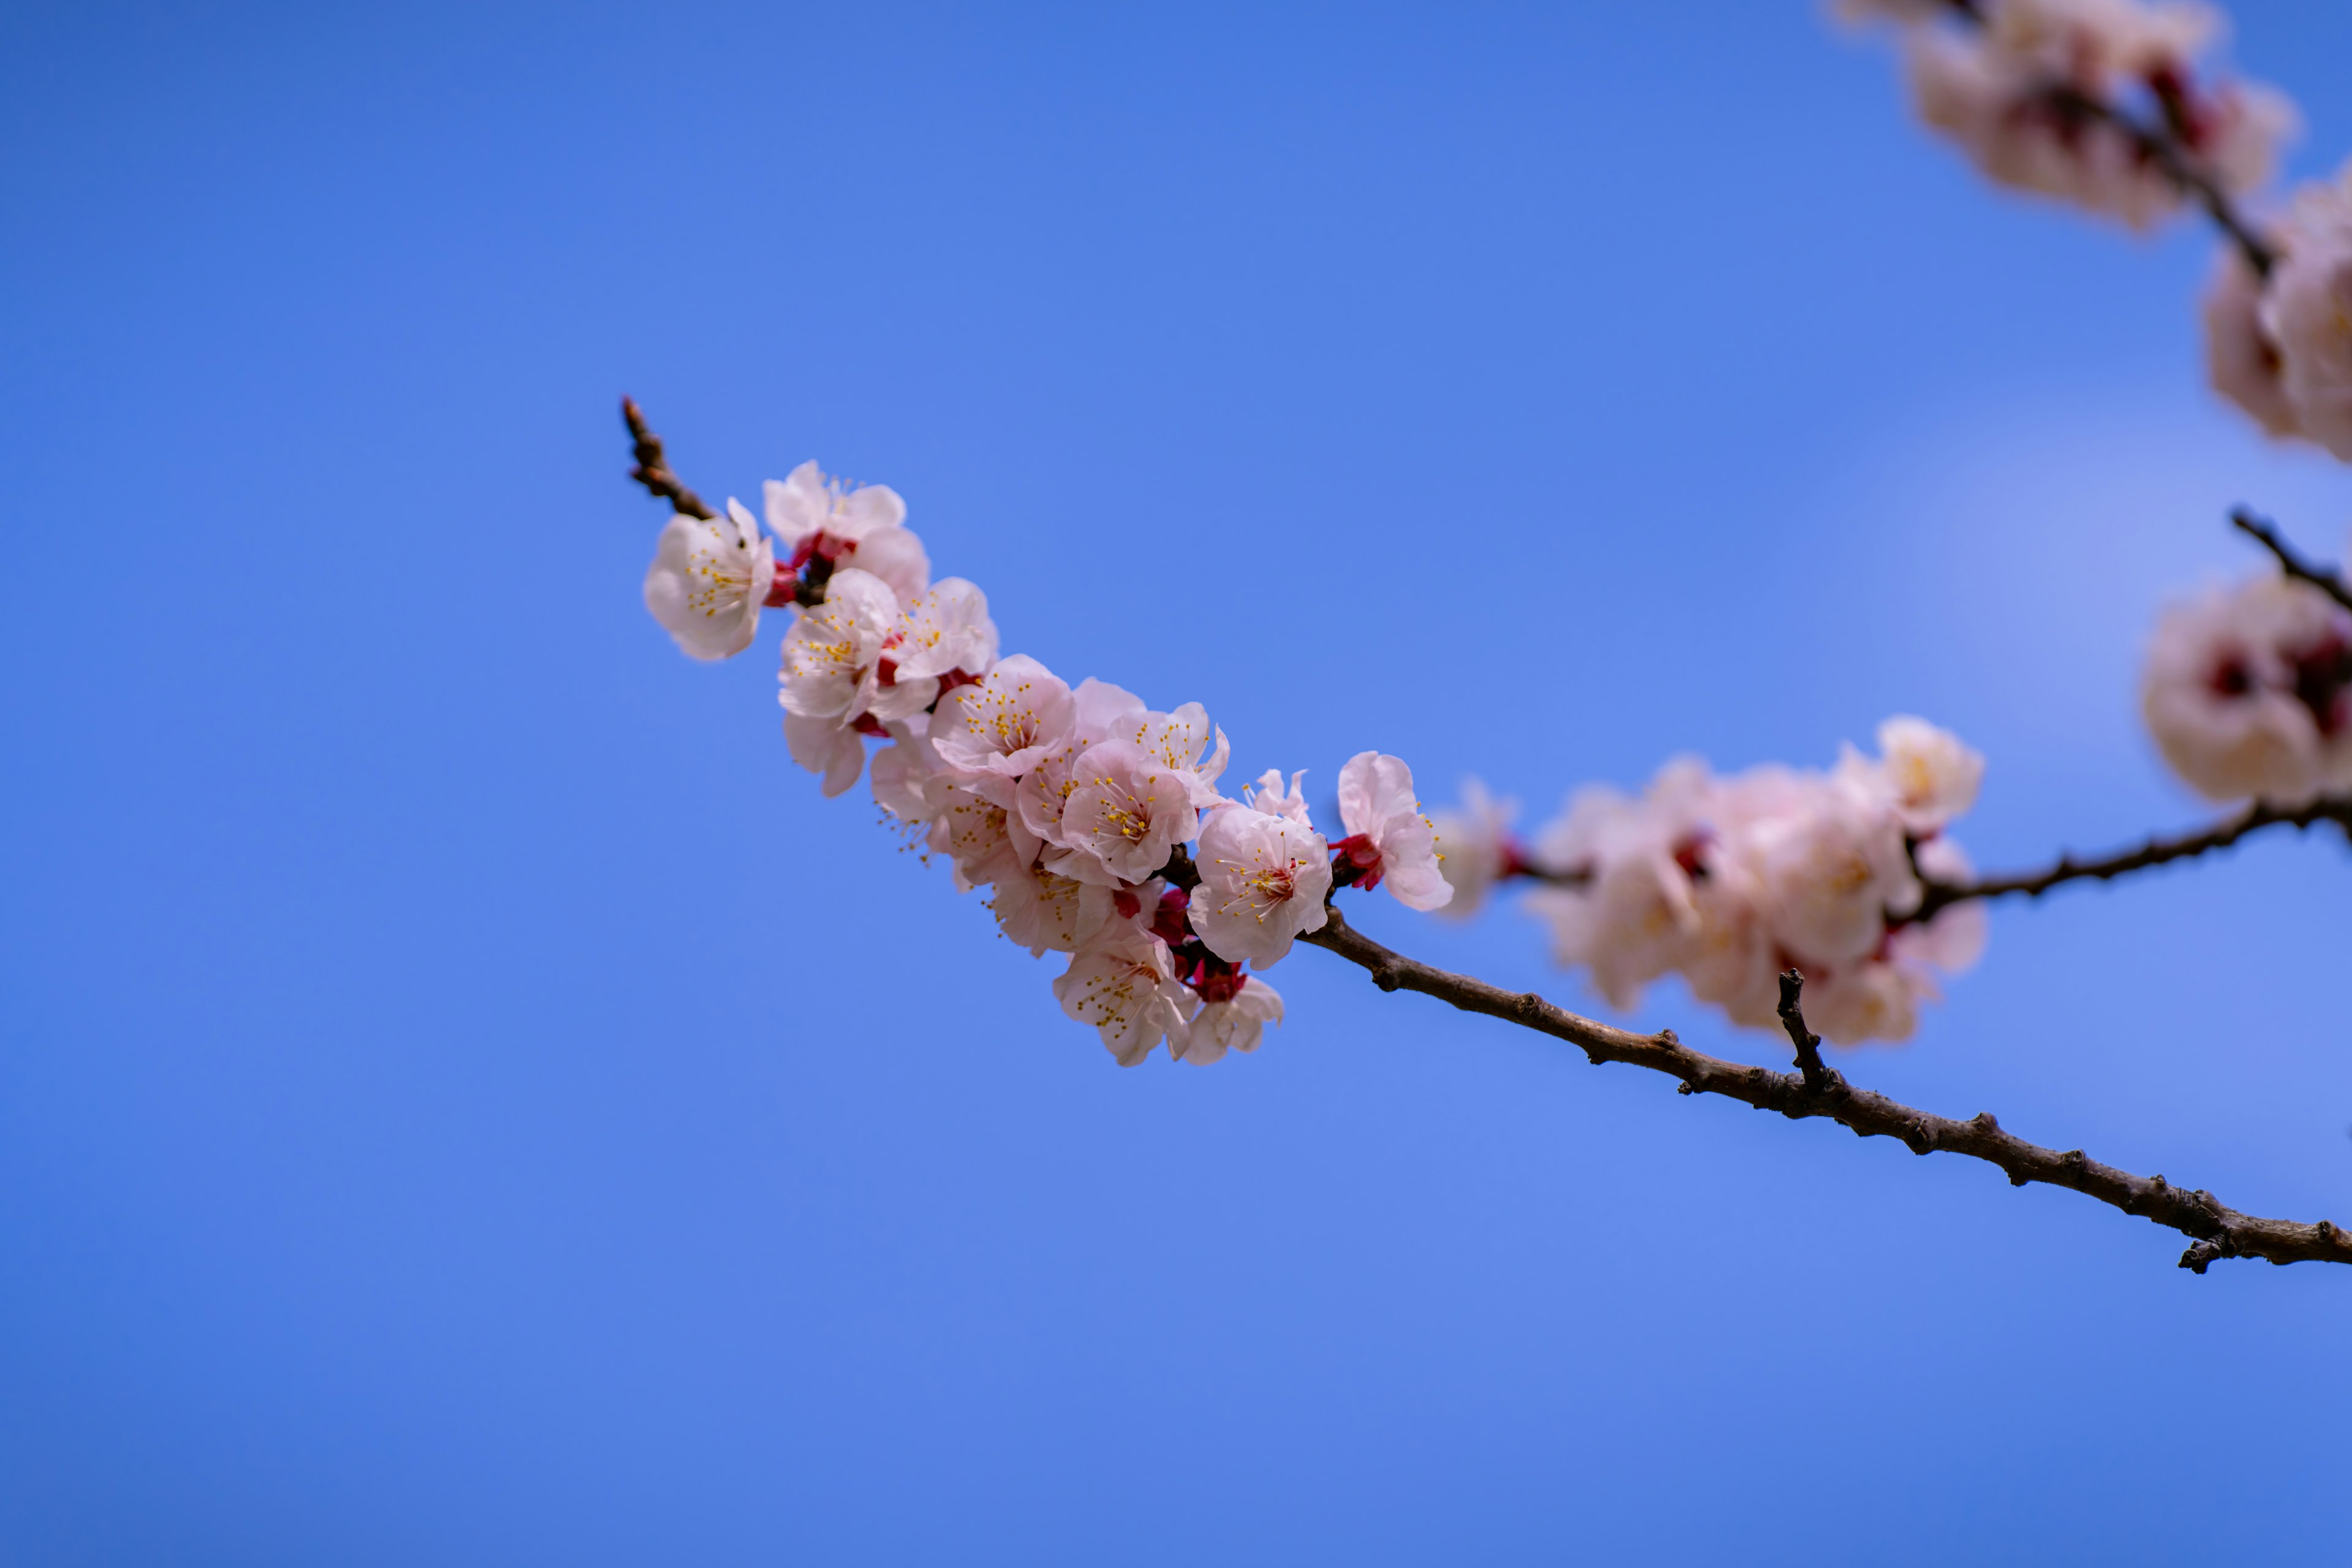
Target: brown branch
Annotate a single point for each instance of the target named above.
(2325, 578)
(2216, 1231)
(653, 470)
(1940, 896)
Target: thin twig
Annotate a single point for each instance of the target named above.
(1940, 896)
(1818, 1078)
(653, 470)
(2327, 579)
(2216, 1231)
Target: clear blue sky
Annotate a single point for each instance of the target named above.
(465, 1097)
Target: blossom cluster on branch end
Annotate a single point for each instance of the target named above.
(1095, 821)
(2095, 102)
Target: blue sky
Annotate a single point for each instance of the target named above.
(463, 1095)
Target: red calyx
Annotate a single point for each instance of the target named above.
(866, 724)
(1355, 863)
(1170, 922)
(1215, 980)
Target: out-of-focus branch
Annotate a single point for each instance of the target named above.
(653, 470)
(2161, 146)
(2325, 579)
(2216, 1231)
(1940, 896)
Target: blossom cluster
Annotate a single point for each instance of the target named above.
(1095, 821)
(2281, 347)
(2248, 691)
(2048, 96)
(1729, 880)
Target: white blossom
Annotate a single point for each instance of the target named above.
(908, 779)
(1235, 1025)
(941, 631)
(1388, 837)
(1473, 845)
(708, 579)
(1928, 775)
(816, 516)
(830, 654)
(1829, 872)
(2306, 312)
(1866, 1001)
(1263, 878)
(2246, 691)
(1126, 811)
(1044, 911)
(1003, 727)
(973, 834)
(1098, 712)
(1123, 984)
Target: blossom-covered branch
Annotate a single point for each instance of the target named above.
(2097, 102)
(2217, 1230)
(2103, 104)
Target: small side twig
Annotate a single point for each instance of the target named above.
(1818, 1078)
(2327, 579)
(653, 470)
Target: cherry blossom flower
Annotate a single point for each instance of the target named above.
(1127, 810)
(1263, 878)
(1868, 1001)
(1003, 727)
(708, 579)
(1043, 912)
(2246, 692)
(1927, 774)
(1098, 710)
(1235, 1025)
(1475, 847)
(817, 518)
(1388, 838)
(2306, 312)
(830, 655)
(943, 633)
(1830, 871)
(1179, 740)
(973, 832)
(909, 782)
(1122, 983)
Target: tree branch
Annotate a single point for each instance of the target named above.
(2161, 146)
(1940, 896)
(2216, 1231)
(653, 470)
(2265, 533)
